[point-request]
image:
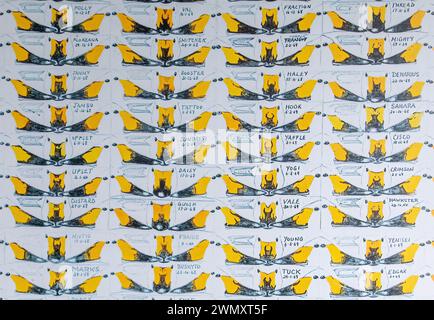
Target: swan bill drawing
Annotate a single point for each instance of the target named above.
(166, 90)
(55, 217)
(377, 153)
(164, 24)
(342, 187)
(267, 255)
(56, 187)
(269, 24)
(373, 287)
(376, 20)
(58, 55)
(58, 122)
(165, 56)
(57, 285)
(375, 56)
(373, 255)
(56, 252)
(163, 251)
(269, 56)
(161, 219)
(58, 90)
(374, 217)
(267, 218)
(267, 286)
(60, 22)
(57, 156)
(270, 90)
(375, 122)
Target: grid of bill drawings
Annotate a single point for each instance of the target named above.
(216, 149)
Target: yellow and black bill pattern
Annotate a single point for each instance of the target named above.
(23, 254)
(24, 189)
(409, 55)
(58, 122)
(162, 279)
(93, 253)
(409, 154)
(87, 219)
(269, 24)
(25, 157)
(411, 93)
(234, 154)
(58, 91)
(376, 18)
(57, 285)
(300, 154)
(375, 123)
(236, 188)
(164, 24)
(339, 257)
(89, 58)
(269, 57)
(372, 287)
(56, 252)
(22, 217)
(374, 218)
(197, 124)
(406, 187)
(195, 59)
(59, 23)
(301, 124)
(129, 284)
(129, 253)
(234, 220)
(299, 187)
(197, 222)
(340, 23)
(299, 220)
(196, 285)
(126, 220)
(197, 189)
(132, 124)
(234, 256)
(128, 155)
(376, 91)
(411, 123)
(298, 288)
(127, 187)
(414, 22)
(195, 253)
(234, 123)
(267, 255)
(340, 125)
(344, 188)
(338, 288)
(299, 257)
(341, 93)
(89, 286)
(165, 90)
(23, 285)
(270, 90)
(233, 287)
(343, 57)
(266, 287)
(162, 183)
